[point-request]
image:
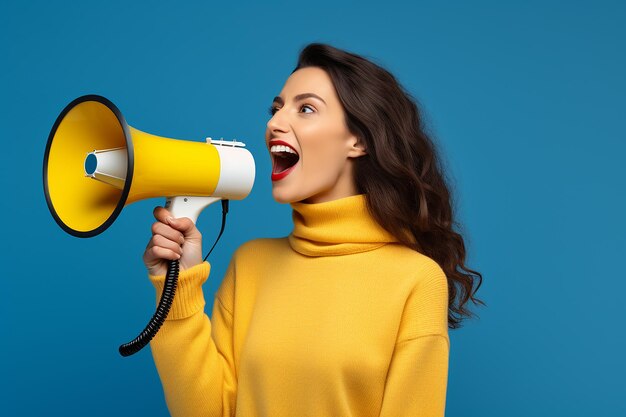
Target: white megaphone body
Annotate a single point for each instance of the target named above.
(95, 164)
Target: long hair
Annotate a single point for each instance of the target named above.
(401, 174)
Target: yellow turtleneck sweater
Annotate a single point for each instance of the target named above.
(335, 320)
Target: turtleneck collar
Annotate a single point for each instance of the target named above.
(336, 227)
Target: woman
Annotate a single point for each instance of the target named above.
(349, 314)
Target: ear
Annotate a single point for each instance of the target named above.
(356, 148)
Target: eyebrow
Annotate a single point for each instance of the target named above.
(299, 97)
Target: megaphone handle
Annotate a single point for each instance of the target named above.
(155, 323)
(188, 206)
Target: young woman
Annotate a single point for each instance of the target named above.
(348, 315)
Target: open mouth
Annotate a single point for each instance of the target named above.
(283, 159)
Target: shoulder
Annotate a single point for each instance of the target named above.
(426, 305)
(264, 246)
(415, 266)
(247, 258)
(430, 279)
(430, 270)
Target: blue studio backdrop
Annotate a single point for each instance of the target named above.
(524, 99)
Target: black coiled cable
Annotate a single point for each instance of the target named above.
(165, 303)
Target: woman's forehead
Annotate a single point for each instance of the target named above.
(308, 80)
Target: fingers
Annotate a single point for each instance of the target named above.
(162, 242)
(163, 246)
(166, 231)
(182, 224)
(161, 214)
(185, 225)
(154, 253)
(168, 237)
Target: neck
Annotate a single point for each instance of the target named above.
(344, 187)
(336, 227)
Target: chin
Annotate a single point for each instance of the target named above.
(285, 197)
(280, 198)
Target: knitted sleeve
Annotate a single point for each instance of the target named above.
(417, 378)
(194, 354)
(418, 373)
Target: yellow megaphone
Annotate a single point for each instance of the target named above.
(90, 140)
(95, 164)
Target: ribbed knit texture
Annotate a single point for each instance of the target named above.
(336, 319)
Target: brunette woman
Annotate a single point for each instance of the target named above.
(348, 315)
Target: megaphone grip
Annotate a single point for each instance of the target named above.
(155, 323)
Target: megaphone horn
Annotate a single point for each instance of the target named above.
(91, 140)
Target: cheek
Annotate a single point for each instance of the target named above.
(321, 151)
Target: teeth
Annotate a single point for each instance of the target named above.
(282, 148)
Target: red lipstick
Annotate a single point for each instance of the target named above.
(276, 176)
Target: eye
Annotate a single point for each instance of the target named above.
(308, 107)
(271, 110)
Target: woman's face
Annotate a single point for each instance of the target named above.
(308, 117)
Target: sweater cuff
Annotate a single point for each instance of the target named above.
(188, 298)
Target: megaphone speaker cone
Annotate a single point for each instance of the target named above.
(81, 206)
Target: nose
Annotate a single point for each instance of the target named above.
(277, 122)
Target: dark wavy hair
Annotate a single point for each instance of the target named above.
(401, 174)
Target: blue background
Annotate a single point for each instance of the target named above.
(525, 100)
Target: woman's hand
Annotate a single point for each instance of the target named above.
(172, 239)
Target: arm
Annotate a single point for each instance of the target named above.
(194, 354)
(417, 378)
(418, 373)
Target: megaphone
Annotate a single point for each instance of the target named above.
(95, 164)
